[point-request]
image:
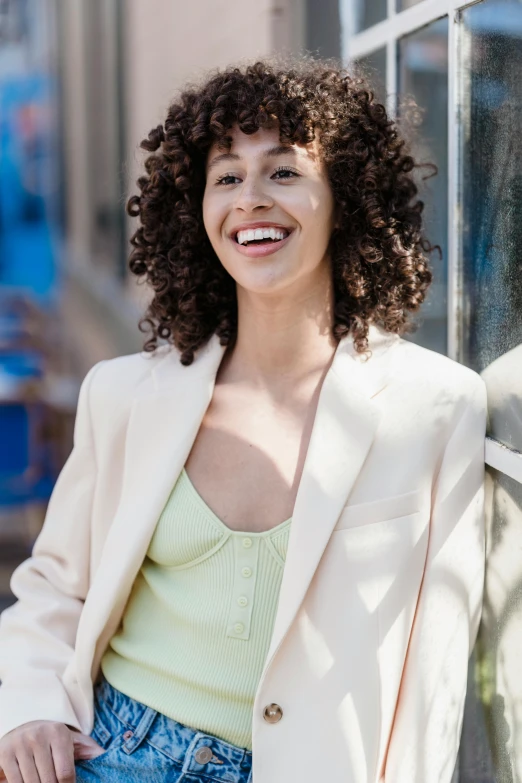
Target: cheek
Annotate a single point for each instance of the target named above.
(327, 216)
(207, 215)
(212, 215)
(318, 222)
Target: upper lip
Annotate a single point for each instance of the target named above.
(257, 224)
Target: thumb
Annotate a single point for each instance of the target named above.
(85, 747)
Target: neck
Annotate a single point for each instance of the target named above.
(282, 340)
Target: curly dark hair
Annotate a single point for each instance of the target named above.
(380, 272)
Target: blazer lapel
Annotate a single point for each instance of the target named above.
(343, 431)
(164, 419)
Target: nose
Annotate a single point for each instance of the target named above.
(252, 194)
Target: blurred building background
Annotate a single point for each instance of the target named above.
(83, 81)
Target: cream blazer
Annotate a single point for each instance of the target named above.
(381, 593)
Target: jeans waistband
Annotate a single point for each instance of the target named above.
(178, 742)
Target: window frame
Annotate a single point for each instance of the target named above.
(387, 34)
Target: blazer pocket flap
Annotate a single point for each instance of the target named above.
(393, 507)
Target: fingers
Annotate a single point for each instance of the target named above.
(40, 752)
(86, 747)
(26, 762)
(62, 750)
(44, 764)
(11, 771)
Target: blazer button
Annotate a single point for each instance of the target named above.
(272, 713)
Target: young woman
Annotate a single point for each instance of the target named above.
(263, 560)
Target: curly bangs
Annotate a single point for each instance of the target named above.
(380, 272)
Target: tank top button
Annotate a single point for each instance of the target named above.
(242, 600)
(247, 543)
(246, 571)
(239, 628)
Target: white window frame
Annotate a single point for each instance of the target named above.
(387, 34)
(504, 458)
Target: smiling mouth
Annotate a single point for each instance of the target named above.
(267, 236)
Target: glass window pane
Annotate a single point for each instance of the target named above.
(403, 4)
(368, 12)
(323, 27)
(491, 743)
(423, 75)
(490, 111)
(491, 153)
(374, 66)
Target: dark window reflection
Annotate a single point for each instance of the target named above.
(403, 4)
(490, 71)
(423, 75)
(368, 13)
(491, 747)
(374, 67)
(491, 88)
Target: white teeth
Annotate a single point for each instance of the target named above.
(250, 234)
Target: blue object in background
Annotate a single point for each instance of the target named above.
(29, 240)
(25, 454)
(28, 186)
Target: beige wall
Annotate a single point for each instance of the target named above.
(171, 42)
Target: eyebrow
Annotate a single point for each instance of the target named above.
(271, 152)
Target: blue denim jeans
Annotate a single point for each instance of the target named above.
(144, 746)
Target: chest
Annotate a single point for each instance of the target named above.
(247, 458)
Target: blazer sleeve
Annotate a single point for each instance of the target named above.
(425, 737)
(37, 633)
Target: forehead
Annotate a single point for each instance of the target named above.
(259, 143)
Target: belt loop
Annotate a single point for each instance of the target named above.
(140, 732)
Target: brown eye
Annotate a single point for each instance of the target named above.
(286, 170)
(221, 180)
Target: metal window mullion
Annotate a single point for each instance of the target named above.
(347, 18)
(391, 78)
(454, 201)
(398, 25)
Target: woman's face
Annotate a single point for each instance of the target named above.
(284, 190)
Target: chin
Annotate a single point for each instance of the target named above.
(267, 284)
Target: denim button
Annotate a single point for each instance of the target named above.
(128, 735)
(203, 755)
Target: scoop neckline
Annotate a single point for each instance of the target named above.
(208, 510)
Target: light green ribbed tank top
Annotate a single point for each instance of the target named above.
(197, 626)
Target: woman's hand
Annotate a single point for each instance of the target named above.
(44, 752)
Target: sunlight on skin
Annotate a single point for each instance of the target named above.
(290, 189)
